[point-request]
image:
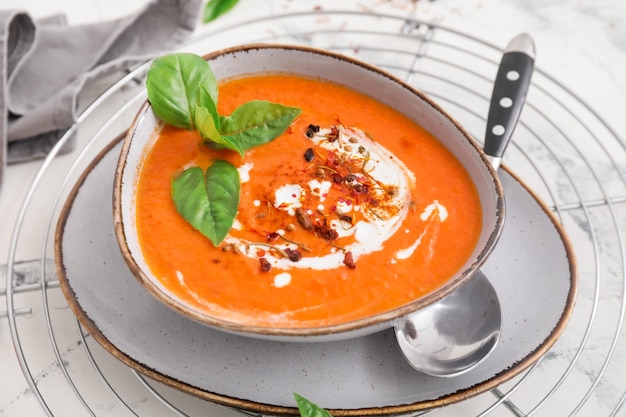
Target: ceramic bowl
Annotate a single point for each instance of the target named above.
(365, 78)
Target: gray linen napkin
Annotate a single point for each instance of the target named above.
(44, 66)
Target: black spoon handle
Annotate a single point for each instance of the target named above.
(509, 95)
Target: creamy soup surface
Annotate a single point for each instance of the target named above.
(353, 211)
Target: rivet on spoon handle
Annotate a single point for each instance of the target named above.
(508, 96)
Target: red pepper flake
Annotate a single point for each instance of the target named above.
(272, 236)
(265, 265)
(348, 260)
(294, 254)
(260, 252)
(324, 231)
(334, 134)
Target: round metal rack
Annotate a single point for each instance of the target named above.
(562, 149)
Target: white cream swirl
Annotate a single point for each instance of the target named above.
(377, 225)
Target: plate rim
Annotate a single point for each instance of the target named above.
(250, 405)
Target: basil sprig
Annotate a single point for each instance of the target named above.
(183, 92)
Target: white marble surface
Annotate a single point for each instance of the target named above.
(581, 44)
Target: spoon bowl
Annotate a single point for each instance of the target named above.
(455, 334)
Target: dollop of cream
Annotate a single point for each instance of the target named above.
(244, 172)
(282, 280)
(439, 209)
(320, 189)
(288, 198)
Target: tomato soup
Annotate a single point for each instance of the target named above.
(353, 211)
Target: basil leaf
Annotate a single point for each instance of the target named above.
(222, 187)
(309, 409)
(205, 123)
(208, 201)
(172, 84)
(190, 198)
(216, 8)
(205, 99)
(257, 122)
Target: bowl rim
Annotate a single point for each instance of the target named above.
(376, 322)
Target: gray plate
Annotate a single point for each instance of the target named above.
(532, 268)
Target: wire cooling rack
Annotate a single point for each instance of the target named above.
(562, 150)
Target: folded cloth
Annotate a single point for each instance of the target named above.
(44, 66)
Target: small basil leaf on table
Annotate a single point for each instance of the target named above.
(173, 82)
(257, 122)
(216, 8)
(208, 201)
(309, 409)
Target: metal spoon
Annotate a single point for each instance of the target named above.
(454, 335)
